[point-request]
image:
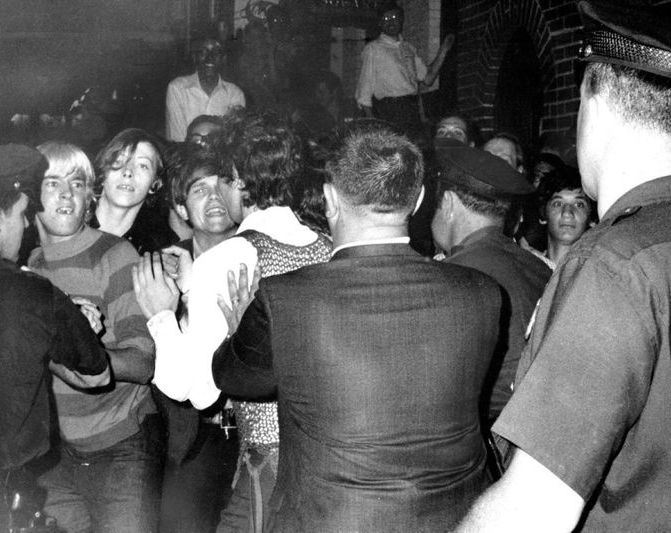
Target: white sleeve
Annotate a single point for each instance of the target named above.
(207, 325)
(171, 370)
(239, 98)
(175, 115)
(366, 85)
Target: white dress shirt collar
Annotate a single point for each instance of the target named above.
(369, 242)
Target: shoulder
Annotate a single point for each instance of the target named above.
(373, 46)
(17, 282)
(180, 82)
(231, 87)
(466, 274)
(502, 259)
(640, 240)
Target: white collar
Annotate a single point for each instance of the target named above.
(384, 38)
(369, 242)
(280, 223)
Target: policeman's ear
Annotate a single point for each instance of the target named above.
(332, 201)
(446, 204)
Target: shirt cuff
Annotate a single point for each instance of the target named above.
(160, 320)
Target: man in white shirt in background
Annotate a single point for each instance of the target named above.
(202, 93)
(391, 71)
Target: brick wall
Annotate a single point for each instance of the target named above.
(485, 29)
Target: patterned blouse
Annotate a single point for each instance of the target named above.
(257, 421)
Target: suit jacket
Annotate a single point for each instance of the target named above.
(377, 359)
(523, 277)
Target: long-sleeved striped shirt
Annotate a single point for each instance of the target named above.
(97, 266)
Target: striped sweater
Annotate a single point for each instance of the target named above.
(97, 266)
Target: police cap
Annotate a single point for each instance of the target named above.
(481, 173)
(637, 37)
(20, 166)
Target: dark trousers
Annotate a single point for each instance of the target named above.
(112, 490)
(402, 111)
(195, 491)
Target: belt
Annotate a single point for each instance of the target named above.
(224, 419)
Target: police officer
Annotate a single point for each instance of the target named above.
(40, 330)
(591, 416)
(477, 194)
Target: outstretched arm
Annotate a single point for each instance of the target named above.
(437, 63)
(528, 498)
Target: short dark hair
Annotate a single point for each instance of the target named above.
(496, 208)
(8, 197)
(267, 155)
(181, 177)
(557, 180)
(639, 97)
(389, 5)
(378, 169)
(126, 139)
(309, 202)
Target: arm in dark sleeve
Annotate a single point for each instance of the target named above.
(243, 364)
(75, 346)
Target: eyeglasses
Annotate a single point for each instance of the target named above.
(388, 17)
(202, 140)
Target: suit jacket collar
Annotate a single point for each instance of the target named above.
(375, 250)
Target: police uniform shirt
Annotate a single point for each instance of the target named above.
(38, 323)
(594, 406)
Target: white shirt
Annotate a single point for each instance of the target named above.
(389, 68)
(185, 100)
(183, 368)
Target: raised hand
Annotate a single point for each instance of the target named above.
(178, 264)
(241, 294)
(90, 311)
(154, 290)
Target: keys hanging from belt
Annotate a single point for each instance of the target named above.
(225, 419)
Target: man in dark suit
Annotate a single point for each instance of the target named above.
(377, 358)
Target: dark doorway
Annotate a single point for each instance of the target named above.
(519, 94)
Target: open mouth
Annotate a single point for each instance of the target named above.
(215, 211)
(65, 210)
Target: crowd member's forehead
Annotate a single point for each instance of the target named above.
(207, 44)
(578, 194)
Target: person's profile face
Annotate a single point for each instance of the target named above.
(391, 22)
(13, 223)
(567, 213)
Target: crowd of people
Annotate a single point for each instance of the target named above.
(245, 326)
